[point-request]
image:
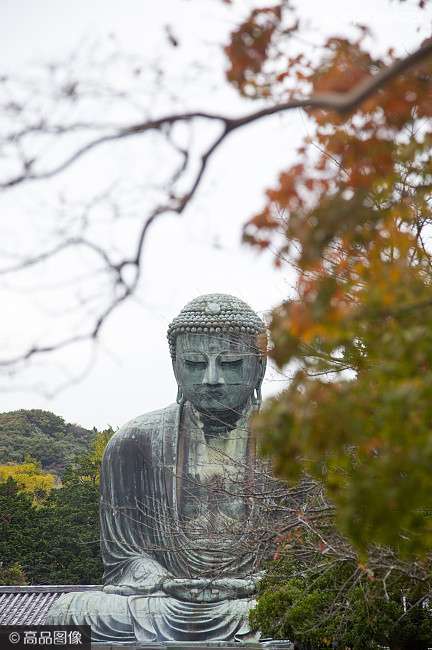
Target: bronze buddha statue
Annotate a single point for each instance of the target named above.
(176, 519)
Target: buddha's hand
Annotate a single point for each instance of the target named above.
(206, 590)
(141, 577)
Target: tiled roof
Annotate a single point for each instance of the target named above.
(29, 605)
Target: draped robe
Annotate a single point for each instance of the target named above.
(142, 539)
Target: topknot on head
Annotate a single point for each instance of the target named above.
(214, 313)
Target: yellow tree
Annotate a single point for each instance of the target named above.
(30, 478)
(87, 467)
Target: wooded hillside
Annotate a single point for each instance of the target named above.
(43, 436)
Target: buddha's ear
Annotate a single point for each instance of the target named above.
(262, 347)
(257, 398)
(262, 368)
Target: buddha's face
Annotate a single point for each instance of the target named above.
(217, 372)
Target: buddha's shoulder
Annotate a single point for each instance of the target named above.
(146, 434)
(150, 422)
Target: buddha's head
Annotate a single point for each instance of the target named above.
(217, 346)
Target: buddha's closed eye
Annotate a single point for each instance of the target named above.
(231, 363)
(198, 362)
(198, 365)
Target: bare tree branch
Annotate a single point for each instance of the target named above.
(176, 202)
(339, 102)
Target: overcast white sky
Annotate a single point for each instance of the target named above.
(199, 253)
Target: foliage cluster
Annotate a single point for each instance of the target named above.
(29, 477)
(326, 602)
(12, 575)
(353, 215)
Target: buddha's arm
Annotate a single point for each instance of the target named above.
(132, 521)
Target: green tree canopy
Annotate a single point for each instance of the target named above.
(337, 603)
(19, 530)
(12, 575)
(56, 542)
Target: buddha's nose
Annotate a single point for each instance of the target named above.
(213, 376)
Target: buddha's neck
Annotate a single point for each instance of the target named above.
(218, 423)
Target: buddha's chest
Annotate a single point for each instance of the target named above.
(213, 475)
